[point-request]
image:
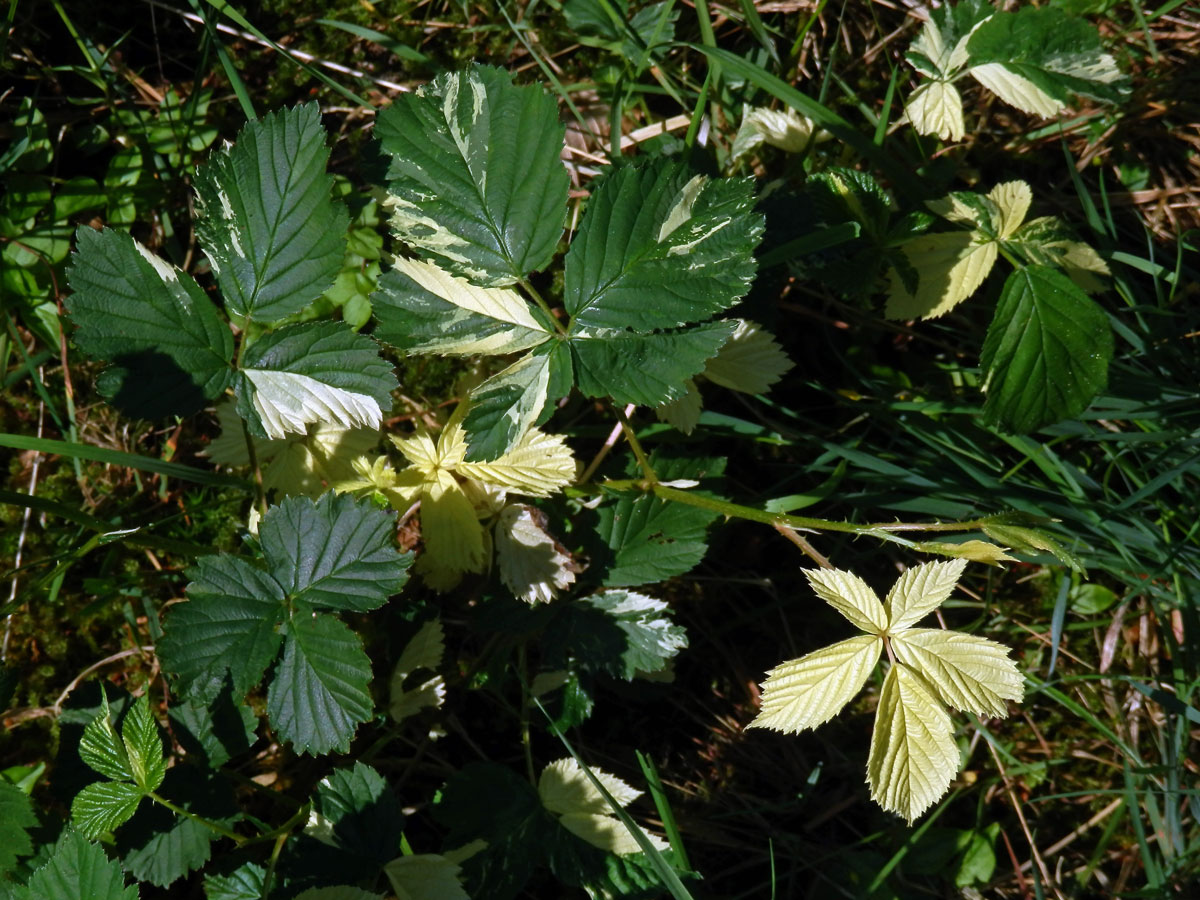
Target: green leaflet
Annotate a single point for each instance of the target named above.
(315, 372)
(647, 369)
(169, 348)
(16, 817)
(475, 180)
(631, 38)
(103, 807)
(1046, 352)
(268, 222)
(336, 553)
(243, 883)
(357, 822)
(661, 247)
(76, 869)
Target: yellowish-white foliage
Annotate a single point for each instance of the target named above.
(424, 651)
(566, 791)
(913, 755)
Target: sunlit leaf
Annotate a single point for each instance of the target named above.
(921, 590)
(533, 565)
(851, 596)
(950, 267)
(750, 361)
(967, 672)
(935, 108)
(813, 689)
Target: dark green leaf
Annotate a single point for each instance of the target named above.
(169, 347)
(103, 806)
(646, 369)
(16, 817)
(244, 883)
(161, 847)
(661, 247)
(315, 372)
(1046, 353)
(619, 633)
(476, 182)
(213, 733)
(489, 802)
(359, 820)
(319, 696)
(102, 750)
(268, 221)
(79, 869)
(230, 623)
(338, 552)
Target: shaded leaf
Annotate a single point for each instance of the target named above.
(16, 818)
(78, 869)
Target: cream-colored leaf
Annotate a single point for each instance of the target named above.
(967, 672)
(1081, 263)
(976, 551)
(425, 876)
(533, 565)
(921, 590)
(607, 833)
(849, 595)
(539, 465)
(287, 403)
(451, 532)
(309, 464)
(913, 755)
(683, 412)
(811, 690)
(419, 449)
(750, 361)
(1012, 199)
(950, 266)
(1016, 90)
(782, 128)
(935, 108)
(424, 651)
(497, 303)
(565, 788)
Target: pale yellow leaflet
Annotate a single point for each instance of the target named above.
(425, 876)
(566, 791)
(1015, 90)
(539, 464)
(287, 403)
(1012, 198)
(976, 551)
(951, 267)
(811, 690)
(782, 128)
(607, 832)
(533, 565)
(750, 361)
(424, 651)
(967, 672)
(935, 108)
(450, 529)
(913, 754)
(921, 590)
(849, 595)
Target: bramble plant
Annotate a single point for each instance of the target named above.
(397, 557)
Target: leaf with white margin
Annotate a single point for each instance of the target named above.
(422, 308)
(967, 672)
(950, 265)
(813, 689)
(424, 651)
(851, 596)
(314, 372)
(510, 402)
(425, 876)
(750, 361)
(935, 108)
(1046, 241)
(533, 565)
(1012, 199)
(268, 223)
(941, 47)
(921, 590)
(476, 180)
(566, 791)
(913, 755)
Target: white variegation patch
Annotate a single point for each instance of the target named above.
(935, 108)
(681, 211)
(413, 227)
(288, 402)
(167, 272)
(567, 792)
(1016, 90)
(782, 128)
(533, 565)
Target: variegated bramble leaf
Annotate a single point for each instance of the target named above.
(851, 596)
(935, 108)
(567, 792)
(538, 465)
(967, 672)
(424, 651)
(425, 876)
(750, 361)
(451, 532)
(475, 180)
(782, 128)
(533, 565)
(811, 690)
(913, 755)
(950, 267)
(422, 308)
(921, 590)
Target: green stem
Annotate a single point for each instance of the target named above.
(526, 741)
(543, 305)
(260, 492)
(200, 820)
(636, 446)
